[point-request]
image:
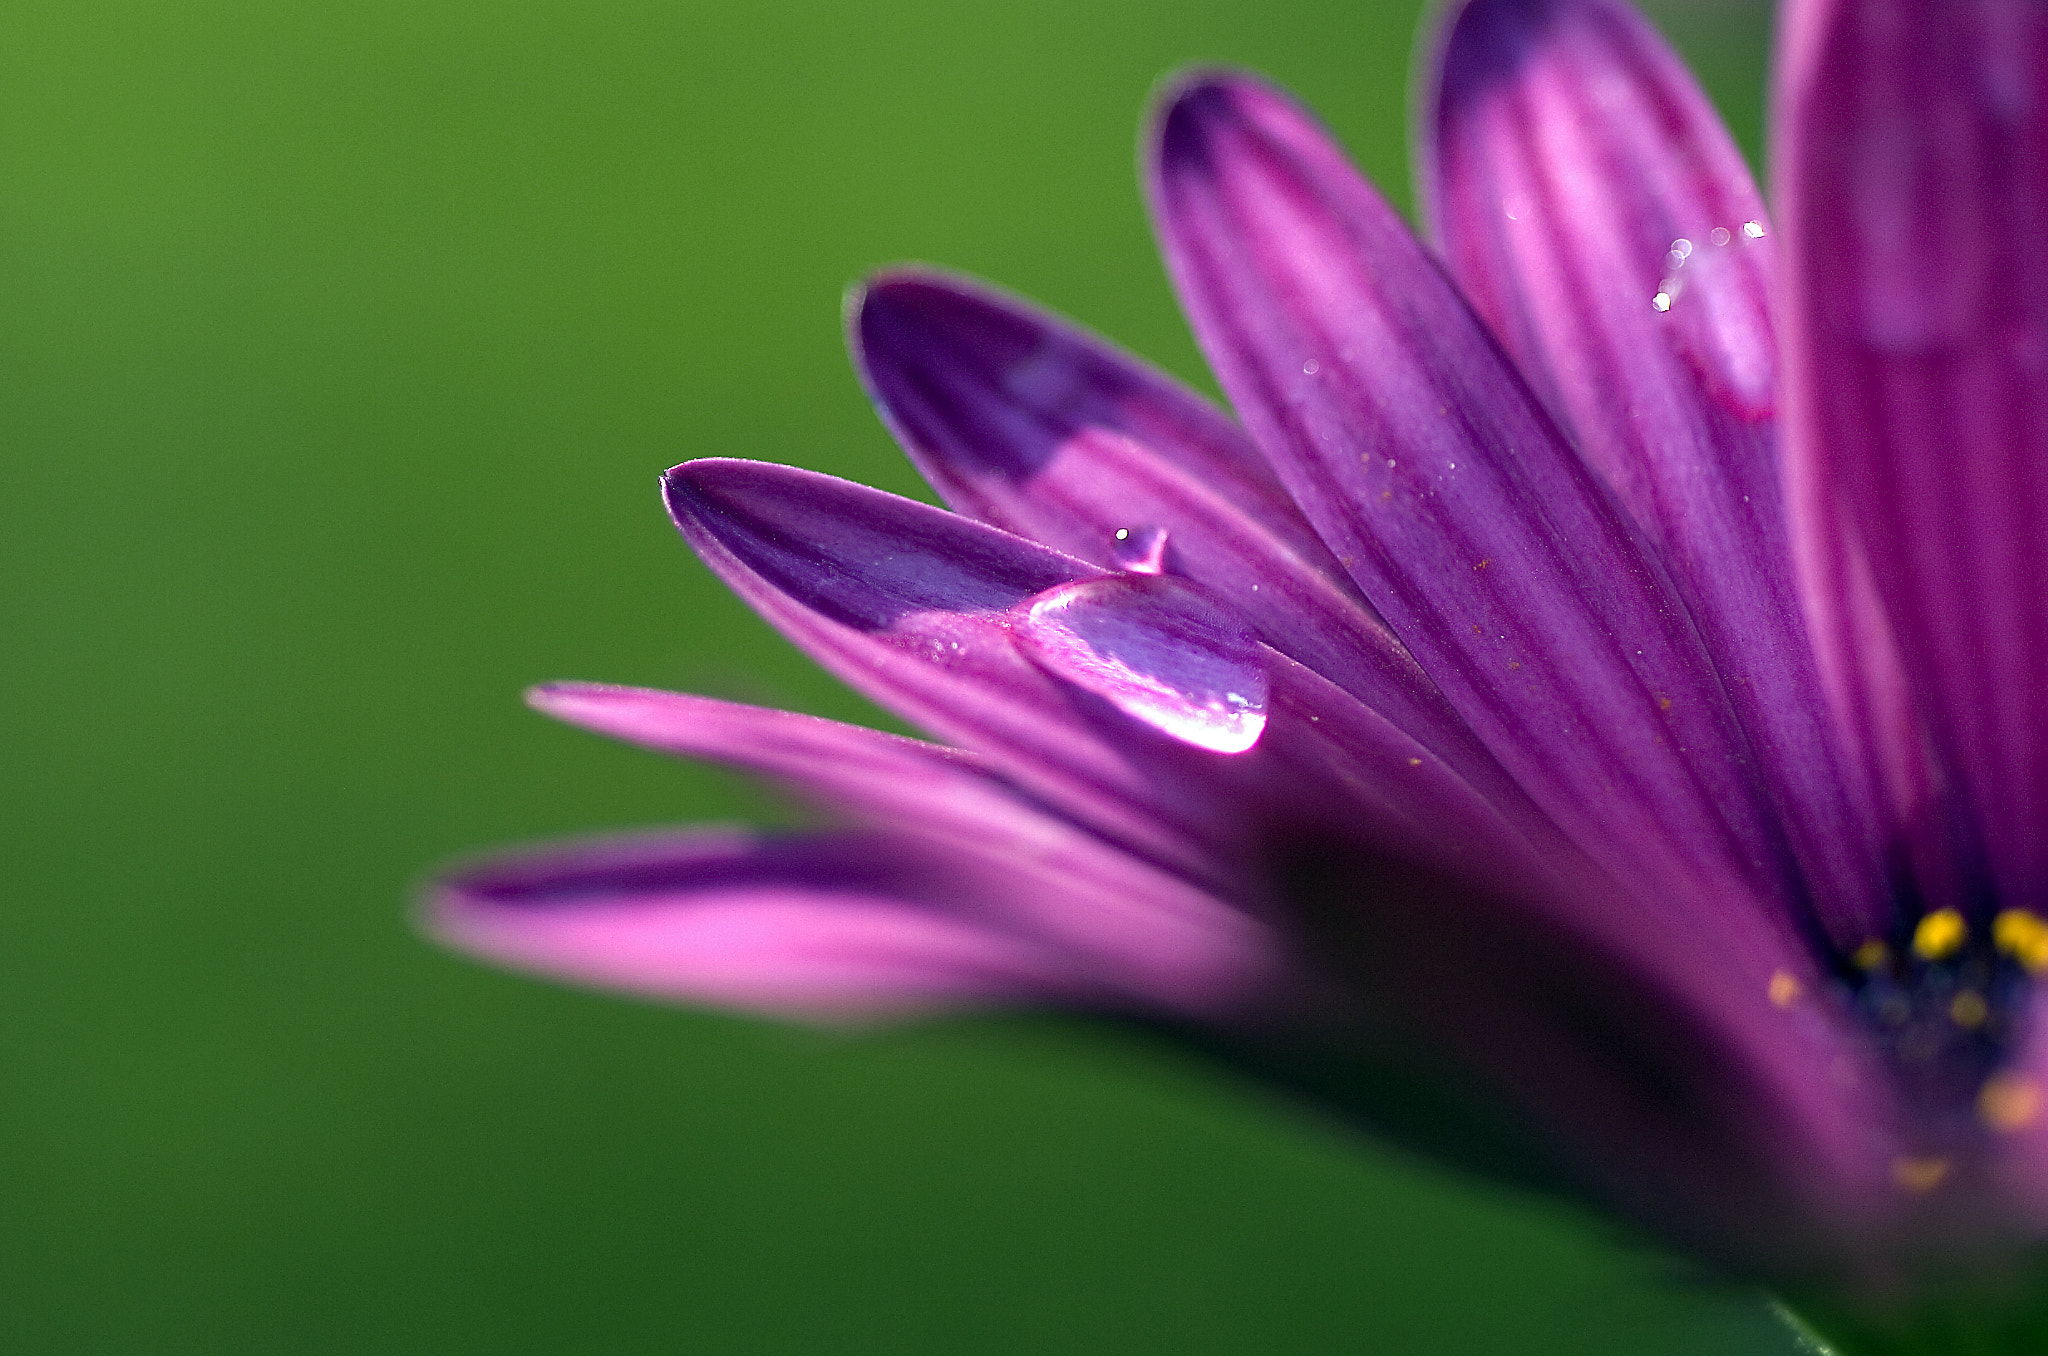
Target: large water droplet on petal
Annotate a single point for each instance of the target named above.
(1140, 550)
(1155, 649)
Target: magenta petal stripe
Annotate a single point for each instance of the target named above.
(1489, 548)
(1163, 935)
(1912, 161)
(1597, 215)
(818, 928)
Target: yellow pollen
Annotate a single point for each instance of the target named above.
(1784, 989)
(2008, 1102)
(1920, 1175)
(1968, 1009)
(2021, 934)
(1663, 703)
(1940, 935)
(1872, 955)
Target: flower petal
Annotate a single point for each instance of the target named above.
(996, 400)
(912, 605)
(1491, 550)
(1022, 421)
(898, 597)
(1599, 217)
(1734, 1110)
(820, 928)
(1912, 180)
(1167, 938)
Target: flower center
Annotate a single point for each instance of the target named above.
(1948, 1003)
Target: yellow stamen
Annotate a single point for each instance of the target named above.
(1940, 935)
(1872, 955)
(2021, 934)
(1784, 989)
(1968, 1009)
(1920, 1175)
(2008, 1102)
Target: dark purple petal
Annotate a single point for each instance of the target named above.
(1492, 551)
(1913, 180)
(912, 605)
(1599, 217)
(1024, 422)
(817, 928)
(997, 401)
(1167, 938)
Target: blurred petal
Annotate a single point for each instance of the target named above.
(1024, 422)
(1490, 549)
(1912, 170)
(822, 928)
(1657, 1078)
(1596, 213)
(1165, 937)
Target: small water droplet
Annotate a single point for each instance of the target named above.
(1662, 301)
(1140, 550)
(1753, 229)
(1157, 650)
(1311, 367)
(1720, 235)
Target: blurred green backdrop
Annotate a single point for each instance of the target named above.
(342, 346)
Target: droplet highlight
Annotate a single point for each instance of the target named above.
(1140, 550)
(1157, 650)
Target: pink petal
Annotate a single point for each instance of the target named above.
(1600, 219)
(1495, 555)
(1912, 168)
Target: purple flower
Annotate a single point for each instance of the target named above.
(1585, 722)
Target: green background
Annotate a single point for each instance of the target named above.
(342, 346)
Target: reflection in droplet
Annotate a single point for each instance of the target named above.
(1140, 550)
(1157, 650)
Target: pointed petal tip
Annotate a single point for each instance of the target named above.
(1184, 105)
(695, 487)
(567, 694)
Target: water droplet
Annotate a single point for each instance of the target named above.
(1720, 235)
(1311, 367)
(1662, 301)
(1157, 650)
(1140, 550)
(1753, 229)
